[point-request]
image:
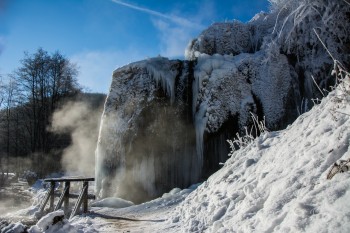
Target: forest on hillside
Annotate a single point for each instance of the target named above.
(29, 97)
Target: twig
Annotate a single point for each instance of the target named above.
(329, 53)
(317, 85)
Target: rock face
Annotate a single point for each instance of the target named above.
(166, 122)
(146, 138)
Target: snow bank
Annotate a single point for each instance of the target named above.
(179, 192)
(56, 223)
(112, 202)
(278, 183)
(14, 228)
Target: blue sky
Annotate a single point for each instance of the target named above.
(101, 35)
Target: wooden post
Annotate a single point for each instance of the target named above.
(85, 196)
(66, 197)
(52, 195)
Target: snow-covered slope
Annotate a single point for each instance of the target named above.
(278, 183)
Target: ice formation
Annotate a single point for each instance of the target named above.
(159, 111)
(166, 122)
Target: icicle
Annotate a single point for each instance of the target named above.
(160, 70)
(200, 125)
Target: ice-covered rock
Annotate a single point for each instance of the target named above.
(164, 121)
(222, 38)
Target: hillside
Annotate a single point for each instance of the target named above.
(278, 183)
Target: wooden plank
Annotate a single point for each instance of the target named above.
(65, 179)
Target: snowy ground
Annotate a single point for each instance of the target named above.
(276, 184)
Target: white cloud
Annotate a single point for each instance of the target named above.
(174, 37)
(175, 31)
(96, 67)
(174, 18)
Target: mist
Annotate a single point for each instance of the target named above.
(81, 120)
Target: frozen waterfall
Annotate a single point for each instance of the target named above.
(164, 120)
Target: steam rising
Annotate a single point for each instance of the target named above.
(81, 121)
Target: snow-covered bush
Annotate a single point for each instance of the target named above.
(342, 77)
(241, 141)
(294, 32)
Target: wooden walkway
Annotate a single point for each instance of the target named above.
(65, 195)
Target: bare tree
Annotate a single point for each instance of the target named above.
(44, 81)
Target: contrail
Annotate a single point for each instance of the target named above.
(173, 18)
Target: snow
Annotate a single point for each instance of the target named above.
(225, 86)
(45, 222)
(14, 228)
(222, 38)
(55, 223)
(112, 202)
(300, 29)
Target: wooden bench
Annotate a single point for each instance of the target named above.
(65, 195)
